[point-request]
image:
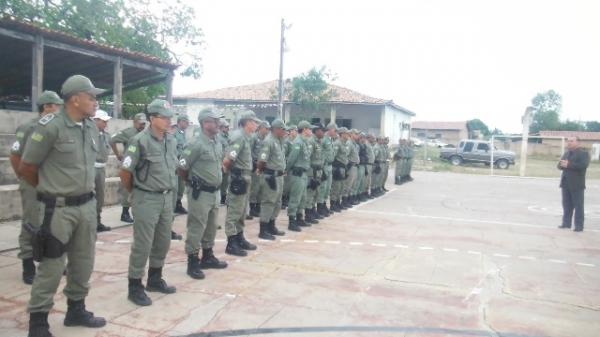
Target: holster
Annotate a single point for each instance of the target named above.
(271, 181)
(377, 169)
(44, 243)
(297, 171)
(238, 184)
(313, 183)
(196, 184)
(339, 173)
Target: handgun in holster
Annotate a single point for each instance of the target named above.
(44, 243)
(271, 181)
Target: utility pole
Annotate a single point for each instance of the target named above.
(281, 51)
(526, 120)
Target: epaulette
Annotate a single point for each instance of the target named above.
(46, 119)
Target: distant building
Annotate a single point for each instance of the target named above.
(586, 139)
(447, 132)
(347, 107)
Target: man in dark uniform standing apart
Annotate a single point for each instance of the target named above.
(573, 165)
(59, 161)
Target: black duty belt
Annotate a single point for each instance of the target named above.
(65, 201)
(209, 189)
(153, 192)
(273, 172)
(238, 171)
(316, 167)
(338, 164)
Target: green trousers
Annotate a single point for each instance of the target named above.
(376, 177)
(74, 226)
(30, 215)
(254, 188)
(201, 221)
(366, 185)
(124, 196)
(399, 168)
(325, 188)
(270, 200)
(153, 218)
(100, 182)
(312, 195)
(349, 182)
(224, 185)
(180, 187)
(385, 171)
(360, 178)
(337, 187)
(297, 194)
(236, 208)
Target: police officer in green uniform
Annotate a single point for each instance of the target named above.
(256, 145)
(297, 163)
(238, 162)
(200, 167)
(328, 157)
(182, 124)
(386, 166)
(148, 172)
(352, 168)
(367, 187)
(400, 157)
(271, 167)
(287, 148)
(376, 181)
(410, 155)
(101, 118)
(48, 102)
(223, 139)
(123, 137)
(59, 161)
(361, 171)
(314, 175)
(339, 169)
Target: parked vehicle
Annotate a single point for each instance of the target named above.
(436, 143)
(477, 151)
(417, 142)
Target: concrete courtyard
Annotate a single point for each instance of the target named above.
(445, 255)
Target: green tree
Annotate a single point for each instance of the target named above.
(547, 107)
(570, 125)
(310, 90)
(163, 29)
(592, 126)
(477, 124)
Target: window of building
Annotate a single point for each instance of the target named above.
(347, 123)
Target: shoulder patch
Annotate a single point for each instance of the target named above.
(20, 134)
(132, 148)
(46, 119)
(187, 152)
(37, 137)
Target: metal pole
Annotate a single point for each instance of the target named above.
(281, 51)
(525, 142)
(492, 156)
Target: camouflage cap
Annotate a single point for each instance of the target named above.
(292, 127)
(79, 83)
(319, 126)
(332, 125)
(208, 113)
(342, 130)
(305, 125)
(265, 124)
(249, 114)
(160, 107)
(278, 124)
(49, 97)
(183, 118)
(140, 117)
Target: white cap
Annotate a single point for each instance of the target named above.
(102, 115)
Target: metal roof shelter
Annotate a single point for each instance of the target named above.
(35, 59)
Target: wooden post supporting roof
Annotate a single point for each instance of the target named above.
(118, 88)
(169, 83)
(37, 70)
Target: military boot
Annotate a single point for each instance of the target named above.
(273, 229)
(100, 227)
(125, 217)
(193, 267)
(300, 221)
(28, 270)
(38, 325)
(78, 316)
(334, 206)
(233, 247)
(293, 224)
(137, 294)
(316, 214)
(175, 236)
(363, 197)
(345, 205)
(264, 232)
(254, 212)
(244, 244)
(157, 283)
(223, 199)
(313, 219)
(179, 208)
(322, 210)
(355, 199)
(210, 261)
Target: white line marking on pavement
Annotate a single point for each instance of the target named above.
(452, 250)
(263, 240)
(401, 246)
(311, 241)
(288, 240)
(426, 248)
(557, 261)
(506, 256)
(585, 264)
(123, 241)
(379, 245)
(355, 243)
(474, 252)
(523, 257)
(99, 242)
(332, 242)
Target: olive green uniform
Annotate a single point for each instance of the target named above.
(352, 167)
(152, 162)
(65, 152)
(378, 167)
(287, 148)
(399, 157)
(202, 159)
(181, 141)
(328, 157)
(386, 164)
(297, 165)
(361, 169)
(314, 173)
(256, 145)
(240, 153)
(223, 140)
(367, 182)
(270, 198)
(339, 171)
(29, 204)
(100, 165)
(123, 137)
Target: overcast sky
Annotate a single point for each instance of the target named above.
(443, 60)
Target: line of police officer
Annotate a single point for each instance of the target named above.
(59, 156)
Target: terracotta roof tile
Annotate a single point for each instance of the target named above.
(581, 134)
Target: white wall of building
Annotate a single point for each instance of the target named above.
(393, 121)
